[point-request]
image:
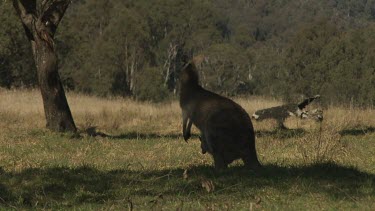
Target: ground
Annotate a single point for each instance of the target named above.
(144, 163)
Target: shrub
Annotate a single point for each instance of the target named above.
(323, 145)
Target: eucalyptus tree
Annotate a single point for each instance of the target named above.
(40, 20)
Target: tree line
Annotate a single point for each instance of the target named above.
(285, 49)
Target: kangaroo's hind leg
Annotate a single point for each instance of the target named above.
(250, 159)
(250, 163)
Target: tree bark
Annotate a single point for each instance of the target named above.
(40, 27)
(56, 108)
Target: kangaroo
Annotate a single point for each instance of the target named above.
(226, 129)
(281, 113)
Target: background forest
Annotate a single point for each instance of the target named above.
(286, 49)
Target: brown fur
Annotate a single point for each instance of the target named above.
(226, 129)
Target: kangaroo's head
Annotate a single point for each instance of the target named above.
(316, 114)
(189, 75)
(188, 84)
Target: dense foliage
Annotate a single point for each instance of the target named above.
(280, 48)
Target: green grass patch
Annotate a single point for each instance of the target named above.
(143, 171)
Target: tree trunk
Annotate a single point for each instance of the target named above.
(132, 70)
(40, 29)
(169, 66)
(56, 108)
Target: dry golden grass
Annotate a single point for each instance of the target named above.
(24, 109)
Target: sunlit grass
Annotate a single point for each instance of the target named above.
(141, 164)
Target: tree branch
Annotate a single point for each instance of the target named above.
(53, 13)
(26, 11)
(44, 5)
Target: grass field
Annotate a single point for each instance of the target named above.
(144, 164)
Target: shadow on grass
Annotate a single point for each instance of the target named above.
(282, 133)
(357, 131)
(75, 186)
(92, 131)
(278, 133)
(136, 135)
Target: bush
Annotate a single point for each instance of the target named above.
(320, 146)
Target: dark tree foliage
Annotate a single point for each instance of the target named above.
(281, 48)
(17, 68)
